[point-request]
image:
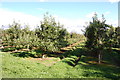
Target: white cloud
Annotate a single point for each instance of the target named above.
(41, 9)
(107, 13)
(0, 4)
(7, 17)
(59, 0)
(44, 10)
(112, 22)
(42, 0)
(72, 25)
(22, 0)
(108, 21)
(112, 1)
(90, 15)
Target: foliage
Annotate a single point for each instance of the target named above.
(51, 34)
(20, 37)
(9, 49)
(117, 36)
(74, 37)
(95, 33)
(97, 36)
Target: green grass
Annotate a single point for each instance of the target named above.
(20, 65)
(73, 40)
(17, 67)
(47, 61)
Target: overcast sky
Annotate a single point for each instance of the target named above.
(73, 15)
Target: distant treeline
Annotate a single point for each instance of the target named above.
(49, 36)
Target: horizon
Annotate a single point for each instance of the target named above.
(73, 15)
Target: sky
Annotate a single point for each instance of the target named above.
(73, 15)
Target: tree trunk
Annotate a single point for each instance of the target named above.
(99, 57)
(28, 46)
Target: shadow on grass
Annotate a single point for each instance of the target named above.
(36, 54)
(74, 56)
(22, 54)
(76, 52)
(32, 53)
(94, 70)
(80, 58)
(101, 71)
(113, 57)
(7, 49)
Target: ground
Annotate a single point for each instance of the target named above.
(74, 65)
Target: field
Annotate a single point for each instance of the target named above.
(72, 66)
(56, 50)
